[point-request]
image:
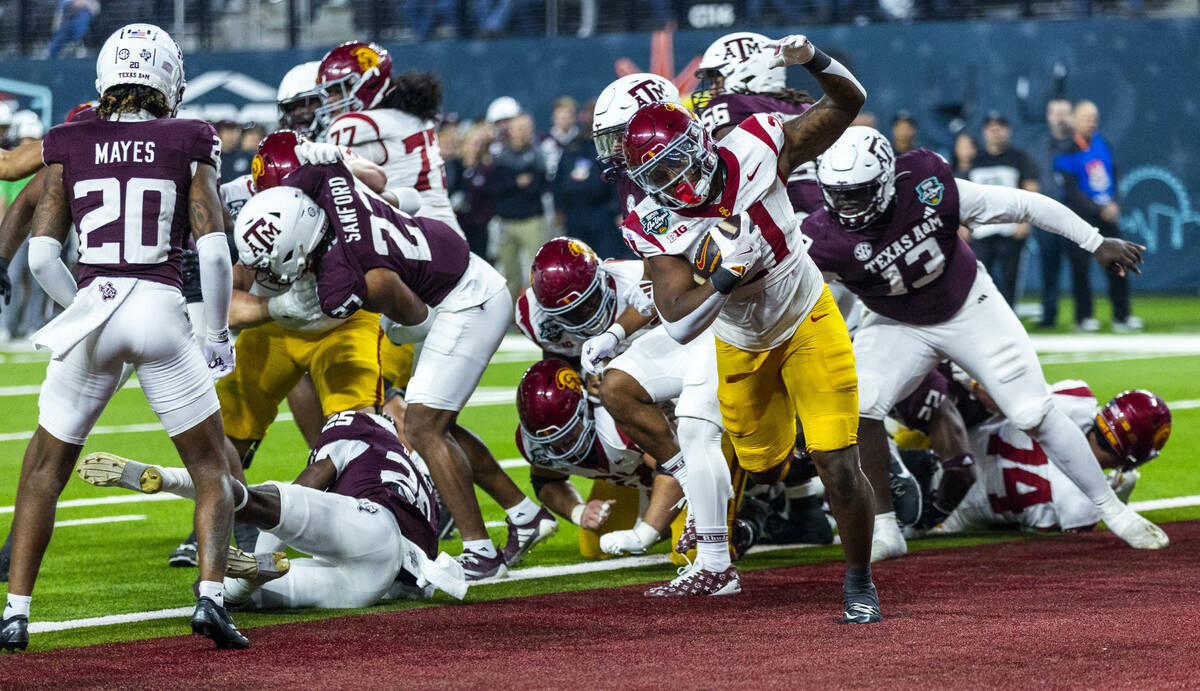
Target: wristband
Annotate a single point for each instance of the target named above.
(577, 513)
(819, 62)
(645, 534)
(219, 336)
(618, 331)
(724, 280)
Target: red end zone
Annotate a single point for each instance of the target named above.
(1079, 611)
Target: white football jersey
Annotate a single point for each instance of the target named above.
(548, 334)
(625, 465)
(406, 147)
(235, 193)
(1016, 484)
(785, 283)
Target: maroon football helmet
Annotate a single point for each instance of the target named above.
(1136, 425)
(570, 285)
(669, 154)
(276, 158)
(557, 428)
(354, 76)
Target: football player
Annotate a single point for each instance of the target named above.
(420, 274)
(362, 507)
(562, 434)
(889, 233)
(127, 306)
(782, 346)
(390, 120)
(614, 106)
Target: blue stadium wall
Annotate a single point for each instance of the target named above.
(1138, 72)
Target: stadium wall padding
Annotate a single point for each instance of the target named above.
(1139, 72)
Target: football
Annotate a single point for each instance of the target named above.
(707, 257)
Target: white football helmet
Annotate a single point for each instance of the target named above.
(615, 105)
(26, 124)
(142, 54)
(277, 232)
(298, 98)
(741, 59)
(857, 176)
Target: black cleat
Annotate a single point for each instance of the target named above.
(214, 622)
(906, 491)
(445, 526)
(861, 607)
(14, 634)
(184, 555)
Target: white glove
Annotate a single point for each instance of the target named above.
(1123, 483)
(318, 153)
(739, 255)
(299, 308)
(635, 541)
(399, 334)
(791, 50)
(640, 296)
(599, 347)
(218, 353)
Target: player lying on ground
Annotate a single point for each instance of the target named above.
(128, 309)
(363, 508)
(889, 233)
(782, 347)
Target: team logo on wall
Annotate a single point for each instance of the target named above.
(862, 251)
(929, 191)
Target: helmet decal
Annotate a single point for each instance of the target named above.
(741, 48)
(566, 378)
(366, 56)
(647, 92)
(257, 167)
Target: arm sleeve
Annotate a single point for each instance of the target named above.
(694, 323)
(216, 283)
(46, 264)
(341, 452)
(983, 204)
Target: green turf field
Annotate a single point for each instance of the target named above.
(117, 567)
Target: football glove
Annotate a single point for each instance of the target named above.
(598, 348)
(635, 541)
(739, 255)
(218, 353)
(317, 153)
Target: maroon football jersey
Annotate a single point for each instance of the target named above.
(917, 410)
(909, 264)
(428, 255)
(128, 184)
(386, 475)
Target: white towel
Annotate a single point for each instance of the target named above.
(93, 306)
(444, 573)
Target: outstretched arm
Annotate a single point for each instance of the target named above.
(21, 162)
(818, 127)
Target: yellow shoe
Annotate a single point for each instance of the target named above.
(108, 470)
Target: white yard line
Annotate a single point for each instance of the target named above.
(1168, 503)
(100, 519)
(129, 498)
(44, 626)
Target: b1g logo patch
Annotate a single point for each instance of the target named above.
(862, 251)
(929, 191)
(657, 221)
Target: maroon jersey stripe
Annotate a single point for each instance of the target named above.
(770, 231)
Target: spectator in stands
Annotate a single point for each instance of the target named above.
(563, 131)
(252, 135)
(234, 161)
(469, 194)
(448, 135)
(500, 113)
(71, 21)
(27, 311)
(904, 132)
(1054, 248)
(422, 17)
(999, 246)
(1090, 189)
(585, 205)
(516, 185)
(965, 150)
(866, 118)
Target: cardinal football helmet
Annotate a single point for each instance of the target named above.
(616, 104)
(354, 76)
(669, 155)
(557, 427)
(277, 234)
(1135, 424)
(571, 286)
(857, 176)
(739, 63)
(142, 54)
(276, 157)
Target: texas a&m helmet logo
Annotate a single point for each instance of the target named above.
(741, 48)
(260, 237)
(647, 92)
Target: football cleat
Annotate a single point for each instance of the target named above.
(14, 634)
(185, 554)
(445, 526)
(256, 568)
(695, 580)
(906, 491)
(477, 566)
(687, 537)
(213, 621)
(522, 538)
(742, 536)
(887, 542)
(108, 470)
(861, 607)
(1138, 532)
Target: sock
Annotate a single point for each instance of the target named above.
(17, 606)
(857, 580)
(238, 590)
(675, 467)
(213, 590)
(178, 481)
(712, 548)
(522, 513)
(1068, 449)
(484, 547)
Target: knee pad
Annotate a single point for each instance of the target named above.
(1028, 415)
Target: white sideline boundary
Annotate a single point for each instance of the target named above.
(100, 519)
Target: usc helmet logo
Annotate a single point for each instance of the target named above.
(566, 378)
(367, 58)
(578, 250)
(257, 168)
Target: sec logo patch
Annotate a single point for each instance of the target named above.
(862, 251)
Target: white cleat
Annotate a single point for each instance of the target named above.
(1136, 531)
(887, 542)
(108, 470)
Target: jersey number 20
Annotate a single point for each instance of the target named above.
(134, 247)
